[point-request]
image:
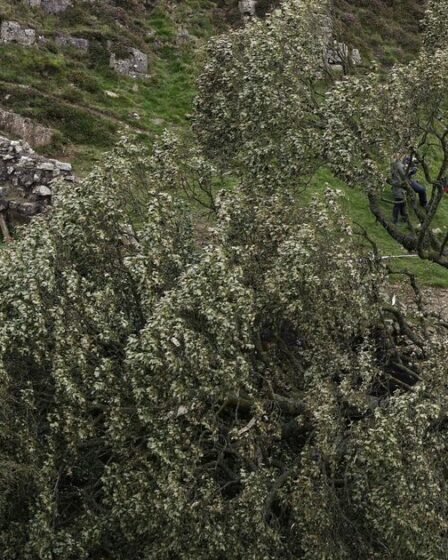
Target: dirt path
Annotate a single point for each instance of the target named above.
(435, 299)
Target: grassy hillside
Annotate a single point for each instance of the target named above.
(87, 102)
(79, 95)
(384, 30)
(355, 204)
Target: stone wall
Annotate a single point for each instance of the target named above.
(26, 179)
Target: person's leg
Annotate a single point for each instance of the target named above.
(395, 212)
(421, 191)
(398, 210)
(404, 211)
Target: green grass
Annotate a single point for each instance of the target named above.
(355, 204)
(66, 82)
(67, 90)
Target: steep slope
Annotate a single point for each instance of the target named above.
(384, 30)
(87, 68)
(64, 79)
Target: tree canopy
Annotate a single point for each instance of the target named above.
(266, 107)
(372, 118)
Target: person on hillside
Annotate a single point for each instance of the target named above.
(398, 180)
(411, 170)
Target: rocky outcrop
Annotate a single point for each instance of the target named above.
(339, 56)
(337, 53)
(135, 65)
(356, 57)
(13, 32)
(50, 6)
(35, 134)
(73, 42)
(247, 7)
(27, 179)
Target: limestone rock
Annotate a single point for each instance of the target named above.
(13, 32)
(248, 7)
(26, 179)
(25, 162)
(356, 57)
(31, 132)
(50, 6)
(45, 166)
(24, 209)
(74, 42)
(337, 54)
(42, 191)
(111, 94)
(63, 166)
(136, 65)
(55, 6)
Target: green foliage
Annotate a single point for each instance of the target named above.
(251, 394)
(374, 120)
(359, 213)
(165, 399)
(257, 95)
(265, 111)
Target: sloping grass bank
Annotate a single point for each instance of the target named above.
(355, 205)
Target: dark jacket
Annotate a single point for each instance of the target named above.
(398, 180)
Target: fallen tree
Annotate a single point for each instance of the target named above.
(253, 394)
